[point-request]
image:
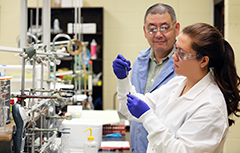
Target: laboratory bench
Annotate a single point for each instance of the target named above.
(6, 141)
(123, 138)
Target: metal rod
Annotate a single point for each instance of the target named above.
(41, 90)
(23, 26)
(75, 69)
(56, 43)
(49, 84)
(33, 139)
(42, 53)
(32, 104)
(51, 53)
(43, 130)
(36, 106)
(42, 97)
(49, 75)
(41, 86)
(11, 49)
(41, 126)
(46, 22)
(23, 80)
(68, 117)
(54, 87)
(54, 75)
(34, 74)
(31, 18)
(79, 78)
(20, 50)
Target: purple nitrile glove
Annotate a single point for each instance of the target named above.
(121, 67)
(136, 106)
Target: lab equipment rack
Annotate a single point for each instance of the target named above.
(89, 15)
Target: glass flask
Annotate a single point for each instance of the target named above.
(64, 148)
(54, 146)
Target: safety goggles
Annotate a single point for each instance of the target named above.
(186, 56)
(165, 28)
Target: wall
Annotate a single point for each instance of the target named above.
(0, 22)
(9, 29)
(123, 33)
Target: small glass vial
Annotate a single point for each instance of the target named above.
(90, 146)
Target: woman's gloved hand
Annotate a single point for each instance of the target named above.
(121, 67)
(136, 106)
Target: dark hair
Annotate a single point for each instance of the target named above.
(208, 41)
(160, 8)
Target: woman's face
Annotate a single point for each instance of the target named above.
(185, 61)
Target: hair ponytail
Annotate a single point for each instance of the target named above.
(228, 81)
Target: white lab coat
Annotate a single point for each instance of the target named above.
(196, 122)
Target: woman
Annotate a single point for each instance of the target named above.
(190, 113)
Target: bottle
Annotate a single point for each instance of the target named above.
(93, 48)
(11, 104)
(90, 102)
(64, 148)
(88, 106)
(3, 70)
(90, 146)
(56, 26)
(19, 100)
(90, 77)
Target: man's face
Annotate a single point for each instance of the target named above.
(161, 42)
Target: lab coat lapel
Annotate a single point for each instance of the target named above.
(143, 69)
(199, 86)
(167, 70)
(194, 91)
(177, 91)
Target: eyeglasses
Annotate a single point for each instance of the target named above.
(163, 29)
(185, 56)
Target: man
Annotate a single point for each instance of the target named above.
(154, 66)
